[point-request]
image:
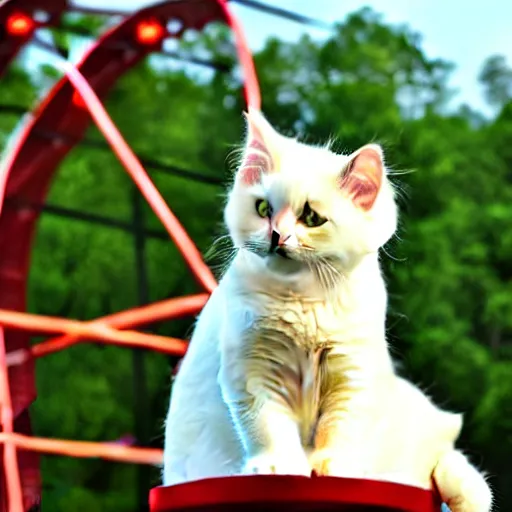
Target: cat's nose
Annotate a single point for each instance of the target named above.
(283, 223)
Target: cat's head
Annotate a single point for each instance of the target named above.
(296, 205)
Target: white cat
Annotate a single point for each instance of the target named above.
(288, 369)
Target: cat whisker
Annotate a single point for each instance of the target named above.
(329, 276)
(258, 247)
(336, 273)
(216, 246)
(316, 268)
(222, 249)
(391, 257)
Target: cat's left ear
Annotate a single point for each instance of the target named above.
(362, 176)
(257, 158)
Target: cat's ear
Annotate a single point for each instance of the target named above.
(362, 176)
(257, 157)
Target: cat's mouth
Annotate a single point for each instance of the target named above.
(275, 248)
(273, 251)
(283, 252)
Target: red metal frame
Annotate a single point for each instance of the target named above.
(26, 175)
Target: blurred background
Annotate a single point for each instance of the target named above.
(429, 82)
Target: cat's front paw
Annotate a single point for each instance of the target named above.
(330, 462)
(277, 464)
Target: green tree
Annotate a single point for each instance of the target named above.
(496, 77)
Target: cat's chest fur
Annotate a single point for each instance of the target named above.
(311, 323)
(285, 353)
(308, 322)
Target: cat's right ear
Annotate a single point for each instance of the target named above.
(362, 177)
(257, 157)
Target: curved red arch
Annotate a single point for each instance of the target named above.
(11, 44)
(29, 167)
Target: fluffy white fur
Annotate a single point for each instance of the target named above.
(288, 368)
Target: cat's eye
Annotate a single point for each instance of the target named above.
(263, 208)
(311, 218)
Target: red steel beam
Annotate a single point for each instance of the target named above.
(97, 331)
(133, 167)
(8, 452)
(86, 449)
(169, 309)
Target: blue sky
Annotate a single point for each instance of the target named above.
(462, 32)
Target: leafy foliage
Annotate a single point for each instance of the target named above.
(496, 76)
(449, 274)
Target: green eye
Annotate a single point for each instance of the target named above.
(263, 208)
(310, 218)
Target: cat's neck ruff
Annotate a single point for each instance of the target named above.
(361, 285)
(354, 318)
